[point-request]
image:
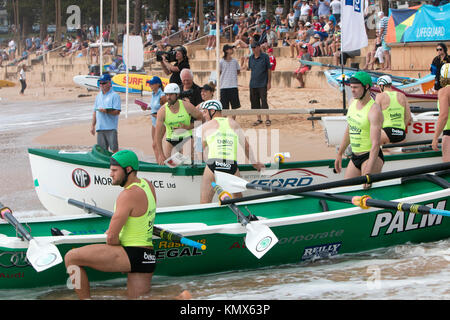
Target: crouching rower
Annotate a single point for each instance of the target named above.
(220, 139)
(363, 133)
(396, 111)
(129, 246)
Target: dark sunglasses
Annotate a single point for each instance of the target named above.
(438, 49)
(103, 82)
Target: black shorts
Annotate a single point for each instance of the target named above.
(446, 133)
(226, 166)
(358, 160)
(258, 98)
(230, 96)
(142, 260)
(395, 134)
(175, 142)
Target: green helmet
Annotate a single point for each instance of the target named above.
(362, 78)
(125, 158)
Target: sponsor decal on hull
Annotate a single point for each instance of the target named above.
(296, 178)
(387, 223)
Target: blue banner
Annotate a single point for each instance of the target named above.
(430, 24)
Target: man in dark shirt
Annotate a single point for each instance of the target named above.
(189, 90)
(174, 70)
(260, 80)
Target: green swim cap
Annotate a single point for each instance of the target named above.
(362, 78)
(125, 158)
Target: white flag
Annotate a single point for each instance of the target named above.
(353, 29)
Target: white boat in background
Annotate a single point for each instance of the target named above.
(422, 127)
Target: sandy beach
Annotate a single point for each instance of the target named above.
(296, 133)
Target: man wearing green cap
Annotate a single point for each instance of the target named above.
(129, 246)
(363, 133)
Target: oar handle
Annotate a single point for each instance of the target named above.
(176, 237)
(225, 196)
(6, 214)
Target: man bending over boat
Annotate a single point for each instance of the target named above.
(443, 122)
(396, 111)
(221, 136)
(363, 133)
(105, 119)
(175, 119)
(129, 246)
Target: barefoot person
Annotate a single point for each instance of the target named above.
(174, 118)
(363, 133)
(129, 246)
(221, 135)
(443, 122)
(396, 111)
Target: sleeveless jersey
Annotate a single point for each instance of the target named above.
(222, 144)
(394, 115)
(447, 125)
(173, 120)
(359, 126)
(138, 231)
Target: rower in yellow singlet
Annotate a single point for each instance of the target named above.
(443, 122)
(221, 137)
(129, 246)
(174, 118)
(396, 111)
(364, 122)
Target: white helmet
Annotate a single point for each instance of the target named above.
(172, 88)
(445, 71)
(384, 80)
(212, 105)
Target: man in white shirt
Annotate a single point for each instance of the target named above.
(304, 11)
(336, 9)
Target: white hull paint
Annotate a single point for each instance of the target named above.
(93, 184)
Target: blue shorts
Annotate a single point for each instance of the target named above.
(212, 32)
(385, 46)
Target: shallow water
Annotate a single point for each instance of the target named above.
(419, 271)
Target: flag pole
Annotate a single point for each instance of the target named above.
(344, 103)
(217, 48)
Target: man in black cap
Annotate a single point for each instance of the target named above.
(260, 79)
(229, 69)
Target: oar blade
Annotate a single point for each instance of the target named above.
(43, 256)
(229, 182)
(259, 239)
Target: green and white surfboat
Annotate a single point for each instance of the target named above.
(277, 226)
(84, 175)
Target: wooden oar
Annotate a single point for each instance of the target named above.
(41, 255)
(223, 179)
(396, 78)
(157, 231)
(259, 238)
(368, 179)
